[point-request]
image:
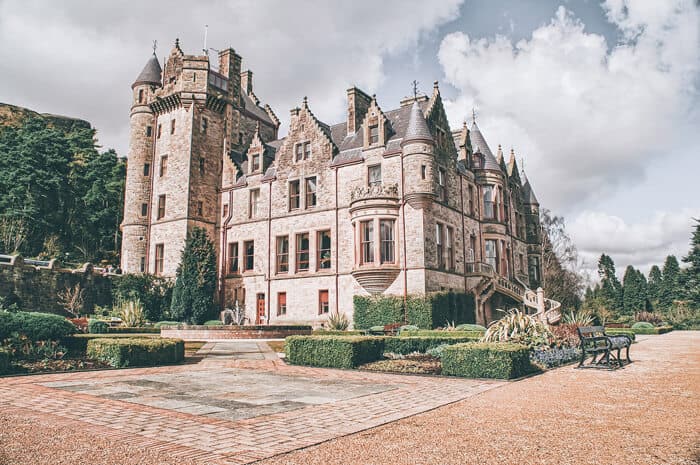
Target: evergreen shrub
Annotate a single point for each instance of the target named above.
(441, 334)
(193, 294)
(487, 360)
(124, 352)
(618, 331)
(425, 311)
(213, 323)
(331, 332)
(154, 293)
(333, 351)
(5, 359)
(406, 345)
(642, 325)
(470, 327)
(36, 326)
(97, 327)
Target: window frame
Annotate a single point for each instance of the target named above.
(281, 303)
(493, 259)
(172, 126)
(163, 166)
(449, 247)
(299, 252)
(144, 209)
(253, 201)
(310, 195)
(375, 182)
(323, 263)
(296, 195)
(367, 242)
(159, 262)
(161, 207)
(373, 139)
(324, 304)
(233, 263)
(146, 170)
(489, 205)
(248, 256)
(442, 184)
(440, 245)
(255, 163)
(387, 246)
(279, 255)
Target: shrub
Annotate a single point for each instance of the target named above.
(154, 292)
(519, 328)
(5, 359)
(166, 323)
(649, 317)
(193, 294)
(338, 321)
(131, 313)
(36, 326)
(132, 330)
(470, 327)
(213, 323)
(615, 331)
(407, 345)
(579, 317)
(487, 360)
(21, 347)
(554, 357)
(333, 352)
(330, 332)
(97, 327)
(565, 335)
(439, 333)
(437, 351)
(653, 330)
(125, 352)
(408, 328)
(642, 325)
(681, 316)
(377, 311)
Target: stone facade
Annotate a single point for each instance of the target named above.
(385, 202)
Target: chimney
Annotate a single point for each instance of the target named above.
(358, 103)
(230, 66)
(247, 81)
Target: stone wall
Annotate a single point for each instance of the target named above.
(36, 288)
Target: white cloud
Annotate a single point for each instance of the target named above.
(79, 57)
(641, 244)
(587, 117)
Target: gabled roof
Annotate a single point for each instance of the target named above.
(528, 193)
(151, 73)
(479, 145)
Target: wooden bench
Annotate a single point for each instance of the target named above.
(595, 343)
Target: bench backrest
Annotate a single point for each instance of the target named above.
(590, 331)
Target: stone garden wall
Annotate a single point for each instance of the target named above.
(34, 286)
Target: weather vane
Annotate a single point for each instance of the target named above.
(155, 46)
(415, 89)
(473, 115)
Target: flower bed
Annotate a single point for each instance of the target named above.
(123, 352)
(554, 357)
(202, 333)
(413, 363)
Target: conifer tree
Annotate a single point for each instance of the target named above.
(634, 291)
(654, 286)
(670, 283)
(691, 274)
(193, 295)
(610, 286)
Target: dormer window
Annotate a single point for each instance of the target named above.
(302, 151)
(374, 134)
(255, 163)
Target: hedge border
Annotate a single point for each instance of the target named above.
(487, 360)
(131, 352)
(333, 351)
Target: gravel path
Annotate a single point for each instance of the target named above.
(648, 413)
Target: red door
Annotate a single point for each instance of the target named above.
(260, 314)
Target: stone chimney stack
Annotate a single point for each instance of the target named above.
(358, 103)
(247, 81)
(230, 66)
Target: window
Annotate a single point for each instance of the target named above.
(489, 211)
(422, 171)
(159, 131)
(224, 214)
(298, 152)
(161, 206)
(201, 165)
(144, 209)
(323, 252)
(255, 164)
(149, 131)
(146, 169)
(449, 244)
(374, 175)
(240, 138)
(143, 265)
(439, 231)
(253, 203)
(323, 306)
(491, 253)
(294, 195)
(233, 257)
(471, 200)
(307, 150)
(249, 248)
(281, 303)
(200, 208)
(160, 252)
(442, 191)
(163, 165)
(172, 126)
(367, 241)
(205, 124)
(521, 263)
(303, 252)
(283, 254)
(140, 95)
(472, 248)
(386, 238)
(311, 192)
(374, 134)
(534, 263)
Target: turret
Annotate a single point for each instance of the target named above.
(418, 148)
(139, 169)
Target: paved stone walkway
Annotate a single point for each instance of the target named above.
(238, 405)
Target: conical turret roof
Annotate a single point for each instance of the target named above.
(528, 194)
(151, 73)
(479, 145)
(417, 129)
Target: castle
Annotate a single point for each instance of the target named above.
(390, 202)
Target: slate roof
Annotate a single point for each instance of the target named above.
(479, 145)
(528, 193)
(256, 109)
(417, 126)
(151, 73)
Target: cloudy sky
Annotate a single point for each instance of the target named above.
(600, 99)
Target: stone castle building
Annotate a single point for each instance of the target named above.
(387, 201)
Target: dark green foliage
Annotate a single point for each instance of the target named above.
(60, 195)
(470, 327)
(407, 345)
(439, 333)
(333, 352)
(133, 330)
(654, 286)
(193, 295)
(213, 323)
(5, 359)
(166, 323)
(634, 294)
(154, 293)
(329, 332)
(670, 283)
(691, 275)
(97, 327)
(642, 324)
(610, 287)
(487, 360)
(617, 331)
(425, 311)
(653, 330)
(123, 352)
(36, 326)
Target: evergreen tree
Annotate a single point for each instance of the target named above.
(670, 283)
(654, 286)
(634, 291)
(691, 274)
(610, 286)
(193, 295)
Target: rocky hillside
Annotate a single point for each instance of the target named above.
(11, 115)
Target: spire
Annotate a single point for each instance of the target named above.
(417, 129)
(499, 154)
(479, 145)
(528, 194)
(151, 73)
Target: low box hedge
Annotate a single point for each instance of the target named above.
(333, 351)
(331, 332)
(76, 345)
(5, 359)
(133, 330)
(406, 345)
(655, 330)
(127, 352)
(36, 326)
(487, 360)
(617, 331)
(436, 333)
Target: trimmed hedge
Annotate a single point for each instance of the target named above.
(470, 327)
(642, 325)
(331, 332)
(98, 327)
(213, 323)
(487, 360)
(654, 330)
(127, 352)
(36, 326)
(425, 311)
(408, 344)
(167, 323)
(5, 358)
(333, 351)
(435, 333)
(76, 345)
(617, 331)
(134, 330)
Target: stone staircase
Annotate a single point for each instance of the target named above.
(547, 310)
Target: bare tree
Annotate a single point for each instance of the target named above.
(72, 299)
(13, 233)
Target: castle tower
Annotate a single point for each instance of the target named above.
(139, 170)
(533, 233)
(419, 160)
